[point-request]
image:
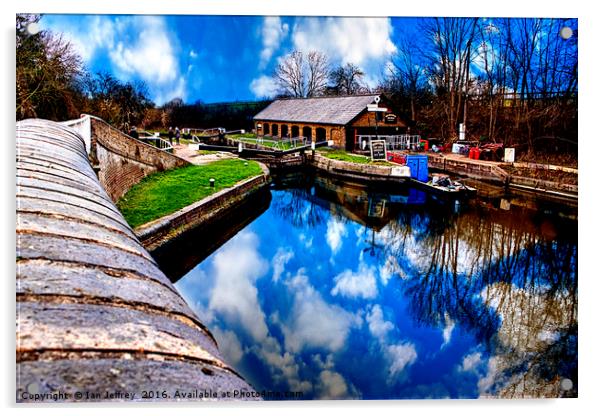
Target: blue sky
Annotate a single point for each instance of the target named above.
(221, 58)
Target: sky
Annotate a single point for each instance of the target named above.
(221, 58)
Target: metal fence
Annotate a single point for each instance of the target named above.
(398, 142)
(156, 141)
(274, 143)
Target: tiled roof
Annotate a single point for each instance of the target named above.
(323, 110)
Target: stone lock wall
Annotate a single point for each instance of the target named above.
(94, 312)
(122, 161)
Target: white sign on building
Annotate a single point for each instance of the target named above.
(509, 155)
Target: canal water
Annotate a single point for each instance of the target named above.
(337, 290)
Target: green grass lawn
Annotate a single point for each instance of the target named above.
(207, 152)
(344, 156)
(166, 192)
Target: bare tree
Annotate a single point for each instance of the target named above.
(289, 75)
(493, 54)
(347, 79)
(302, 76)
(406, 70)
(47, 73)
(317, 66)
(449, 57)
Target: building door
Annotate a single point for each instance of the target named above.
(295, 131)
(320, 134)
(274, 130)
(307, 133)
(349, 139)
(284, 131)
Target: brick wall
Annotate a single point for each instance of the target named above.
(122, 161)
(368, 119)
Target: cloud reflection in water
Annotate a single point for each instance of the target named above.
(425, 308)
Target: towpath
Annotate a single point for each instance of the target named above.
(193, 156)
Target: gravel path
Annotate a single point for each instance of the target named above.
(192, 155)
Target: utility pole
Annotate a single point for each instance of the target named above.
(466, 86)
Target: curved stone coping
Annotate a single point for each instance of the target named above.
(127, 372)
(94, 311)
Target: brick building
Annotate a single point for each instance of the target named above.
(345, 120)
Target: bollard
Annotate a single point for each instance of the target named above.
(212, 183)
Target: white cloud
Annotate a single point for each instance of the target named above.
(307, 242)
(332, 385)
(229, 345)
(150, 55)
(378, 327)
(264, 87)
(280, 259)
(365, 42)
(346, 39)
(400, 356)
(548, 336)
(486, 382)
(272, 32)
(137, 47)
(471, 361)
(283, 367)
(193, 54)
(447, 331)
(236, 268)
(313, 322)
(92, 33)
(335, 231)
(361, 284)
(390, 68)
(390, 268)
(384, 272)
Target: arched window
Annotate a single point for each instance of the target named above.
(274, 129)
(284, 131)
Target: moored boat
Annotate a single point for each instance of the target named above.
(443, 184)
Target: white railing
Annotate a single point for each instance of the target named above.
(276, 144)
(214, 131)
(156, 141)
(397, 142)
